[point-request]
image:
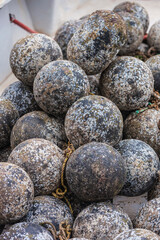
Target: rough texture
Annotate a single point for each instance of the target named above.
(93, 118)
(4, 154)
(144, 126)
(42, 160)
(16, 193)
(38, 124)
(154, 65)
(30, 54)
(49, 209)
(153, 38)
(94, 84)
(58, 85)
(137, 10)
(78, 239)
(95, 172)
(96, 43)
(26, 231)
(8, 117)
(134, 32)
(101, 221)
(137, 234)
(141, 163)
(149, 216)
(64, 34)
(143, 47)
(21, 96)
(128, 82)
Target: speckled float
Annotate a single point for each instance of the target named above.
(128, 82)
(93, 118)
(154, 65)
(137, 234)
(26, 231)
(49, 209)
(153, 38)
(94, 84)
(149, 216)
(42, 160)
(21, 97)
(137, 10)
(16, 193)
(96, 43)
(101, 221)
(8, 117)
(58, 85)
(144, 126)
(95, 172)
(30, 54)
(38, 124)
(64, 34)
(4, 154)
(134, 32)
(141, 164)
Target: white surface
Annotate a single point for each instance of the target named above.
(3, 2)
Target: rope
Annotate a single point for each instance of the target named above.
(60, 193)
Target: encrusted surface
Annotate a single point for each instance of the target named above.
(134, 32)
(21, 97)
(4, 154)
(49, 209)
(137, 234)
(58, 85)
(94, 83)
(8, 117)
(38, 124)
(144, 126)
(96, 43)
(149, 216)
(95, 172)
(93, 118)
(101, 221)
(154, 64)
(153, 38)
(64, 34)
(26, 231)
(42, 160)
(16, 193)
(137, 10)
(30, 54)
(141, 163)
(128, 82)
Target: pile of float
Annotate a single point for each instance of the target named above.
(80, 127)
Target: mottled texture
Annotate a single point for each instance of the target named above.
(154, 65)
(30, 54)
(141, 164)
(16, 193)
(134, 32)
(21, 96)
(77, 239)
(136, 10)
(42, 160)
(128, 82)
(93, 118)
(137, 234)
(143, 47)
(96, 43)
(4, 154)
(8, 117)
(64, 34)
(94, 83)
(149, 216)
(38, 124)
(101, 221)
(144, 126)
(49, 209)
(95, 172)
(26, 231)
(153, 37)
(58, 85)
